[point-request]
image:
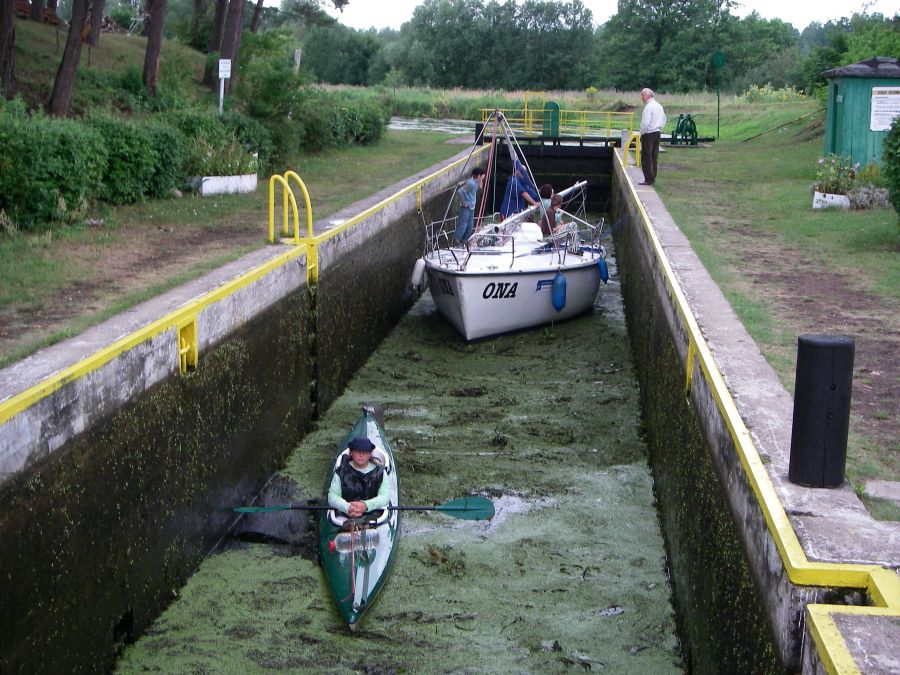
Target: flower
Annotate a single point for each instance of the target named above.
(835, 174)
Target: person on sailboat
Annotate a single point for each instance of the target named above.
(358, 486)
(465, 219)
(520, 191)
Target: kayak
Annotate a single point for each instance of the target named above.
(357, 555)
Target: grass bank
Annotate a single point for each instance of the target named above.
(57, 283)
(787, 269)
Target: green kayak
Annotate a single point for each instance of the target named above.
(358, 555)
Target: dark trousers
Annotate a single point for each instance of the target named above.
(649, 155)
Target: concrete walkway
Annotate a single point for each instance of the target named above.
(832, 525)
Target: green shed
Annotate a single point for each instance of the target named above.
(863, 100)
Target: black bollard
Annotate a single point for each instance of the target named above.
(821, 410)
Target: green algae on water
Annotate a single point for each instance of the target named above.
(570, 574)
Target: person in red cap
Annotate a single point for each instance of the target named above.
(358, 486)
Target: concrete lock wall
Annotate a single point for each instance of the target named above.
(120, 474)
(739, 611)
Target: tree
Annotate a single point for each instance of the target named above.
(257, 12)
(231, 36)
(156, 16)
(37, 10)
(215, 38)
(97, 7)
(68, 67)
(661, 44)
(7, 48)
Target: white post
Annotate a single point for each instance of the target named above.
(224, 74)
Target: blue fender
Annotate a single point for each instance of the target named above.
(559, 292)
(604, 270)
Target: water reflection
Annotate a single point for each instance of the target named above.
(428, 124)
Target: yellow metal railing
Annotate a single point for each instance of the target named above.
(529, 122)
(312, 241)
(881, 584)
(183, 321)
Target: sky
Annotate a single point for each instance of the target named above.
(363, 14)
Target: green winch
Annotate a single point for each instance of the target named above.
(685, 130)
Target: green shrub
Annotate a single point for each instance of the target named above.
(197, 124)
(170, 148)
(252, 135)
(768, 94)
(132, 159)
(891, 163)
(226, 159)
(50, 169)
(288, 138)
(334, 119)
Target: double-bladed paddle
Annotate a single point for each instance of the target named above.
(465, 508)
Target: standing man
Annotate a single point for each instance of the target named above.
(465, 220)
(653, 119)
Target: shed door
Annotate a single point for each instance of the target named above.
(837, 130)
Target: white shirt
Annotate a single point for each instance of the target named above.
(653, 118)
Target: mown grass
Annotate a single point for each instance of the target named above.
(756, 195)
(35, 268)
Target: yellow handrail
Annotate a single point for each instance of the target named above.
(312, 241)
(881, 584)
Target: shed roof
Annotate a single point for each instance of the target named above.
(877, 66)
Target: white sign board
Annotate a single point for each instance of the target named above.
(885, 107)
(224, 69)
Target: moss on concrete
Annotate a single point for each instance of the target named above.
(97, 538)
(570, 573)
(720, 611)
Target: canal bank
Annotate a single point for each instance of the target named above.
(766, 574)
(79, 590)
(569, 574)
(118, 446)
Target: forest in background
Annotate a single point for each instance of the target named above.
(116, 128)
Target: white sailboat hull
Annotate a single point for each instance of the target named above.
(484, 304)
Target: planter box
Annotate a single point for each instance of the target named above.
(825, 200)
(223, 185)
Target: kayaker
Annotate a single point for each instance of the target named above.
(357, 487)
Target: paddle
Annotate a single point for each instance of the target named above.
(465, 508)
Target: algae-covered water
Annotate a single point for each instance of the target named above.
(569, 575)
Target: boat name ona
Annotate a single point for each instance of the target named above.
(500, 290)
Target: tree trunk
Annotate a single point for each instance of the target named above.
(215, 38)
(257, 13)
(37, 9)
(197, 14)
(65, 76)
(7, 47)
(97, 9)
(157, 17)
(231, 37)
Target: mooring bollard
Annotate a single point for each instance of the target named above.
(821, 410)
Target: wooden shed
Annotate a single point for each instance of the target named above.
(863, 99)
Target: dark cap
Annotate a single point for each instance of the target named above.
(361, 444)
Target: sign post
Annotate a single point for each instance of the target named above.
(718, 60)
(224, 74)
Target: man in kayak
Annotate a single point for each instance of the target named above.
(358, 486)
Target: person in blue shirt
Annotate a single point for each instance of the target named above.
(520, 191)
(465, 220)
(358, 486)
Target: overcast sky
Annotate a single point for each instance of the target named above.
(800, 13)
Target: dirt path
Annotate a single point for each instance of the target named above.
(138, 260)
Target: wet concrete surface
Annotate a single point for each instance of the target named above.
(570, 575)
